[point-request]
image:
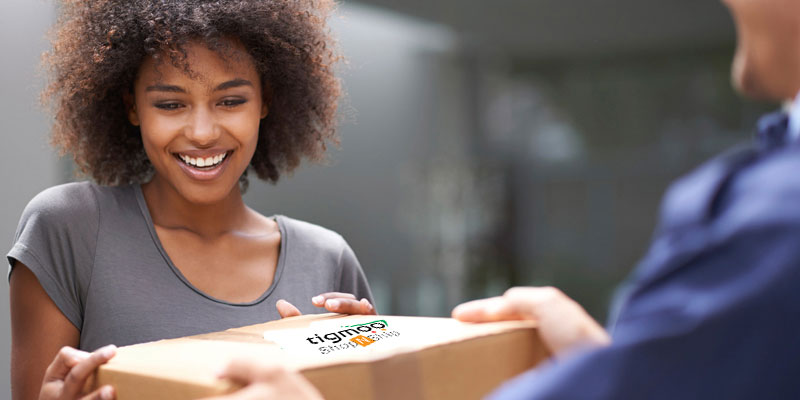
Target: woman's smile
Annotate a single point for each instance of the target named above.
(203, 166)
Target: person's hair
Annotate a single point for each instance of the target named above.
(99, 45)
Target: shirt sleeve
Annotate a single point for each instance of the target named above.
(55, 239)
(719, 322)
(352, 278)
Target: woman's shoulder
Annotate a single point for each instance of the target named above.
(308, 235)
(69, 199)
(74, 198)
(75, 203)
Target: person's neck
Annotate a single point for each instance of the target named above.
(170, 210)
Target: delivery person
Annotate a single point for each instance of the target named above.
(713, 310)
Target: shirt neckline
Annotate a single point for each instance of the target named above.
(283, 249)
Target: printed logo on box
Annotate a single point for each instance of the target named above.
(358, 335)
(328, 338)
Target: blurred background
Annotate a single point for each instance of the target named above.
(484, 144)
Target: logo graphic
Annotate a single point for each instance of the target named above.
(352, 336)
(362, 340)
(350, 330)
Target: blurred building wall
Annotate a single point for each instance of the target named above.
(588, 147)
(402, 121)
(27, 165)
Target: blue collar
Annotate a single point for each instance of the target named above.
(780, 128)
(773, 130)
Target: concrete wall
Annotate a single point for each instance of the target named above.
(27, 165)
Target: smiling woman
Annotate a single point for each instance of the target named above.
(167, 105)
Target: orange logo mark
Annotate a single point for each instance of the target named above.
(362, 340)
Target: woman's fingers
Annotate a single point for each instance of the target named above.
(286, 309)
(65, 360)
(350, 306)
(343, 303)
(320, 299)
(103, 393)
(76, 378)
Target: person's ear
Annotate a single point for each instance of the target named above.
(264, 110)
(130, 108)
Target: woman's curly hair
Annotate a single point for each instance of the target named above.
(98, 46)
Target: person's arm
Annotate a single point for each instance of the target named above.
(45, 363)
(721, 324)
(563, 324)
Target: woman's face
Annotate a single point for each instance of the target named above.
(199, 131)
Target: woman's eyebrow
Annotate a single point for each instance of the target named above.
(165, 88)
(233, 83)
(177, 89)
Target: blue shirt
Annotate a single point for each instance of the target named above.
(713, 310)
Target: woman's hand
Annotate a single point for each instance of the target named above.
(563, 324)
(66, 376)
(343, 303)
(265, 382)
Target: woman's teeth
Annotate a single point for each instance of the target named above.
(203, 162)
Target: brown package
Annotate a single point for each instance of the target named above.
(345, 357)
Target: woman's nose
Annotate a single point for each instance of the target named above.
(202, 129)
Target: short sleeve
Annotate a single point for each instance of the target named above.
(352, 278)
(56, 239)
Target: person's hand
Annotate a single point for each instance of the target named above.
(563, 324)
(342, 303)
(65, 378)
(265, 382)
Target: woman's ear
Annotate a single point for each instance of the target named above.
(264, 110)
(130, 108)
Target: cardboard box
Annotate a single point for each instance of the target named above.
(345, 357)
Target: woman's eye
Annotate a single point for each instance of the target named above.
(232, 102)
(169, 106)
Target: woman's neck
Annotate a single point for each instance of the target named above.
(170, 210)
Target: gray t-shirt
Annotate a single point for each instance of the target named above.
(95, 252)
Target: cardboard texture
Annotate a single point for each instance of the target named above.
(345, 357)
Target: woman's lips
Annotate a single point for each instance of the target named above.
(203, 168)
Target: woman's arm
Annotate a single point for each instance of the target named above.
(39, 334)
(38, 331)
